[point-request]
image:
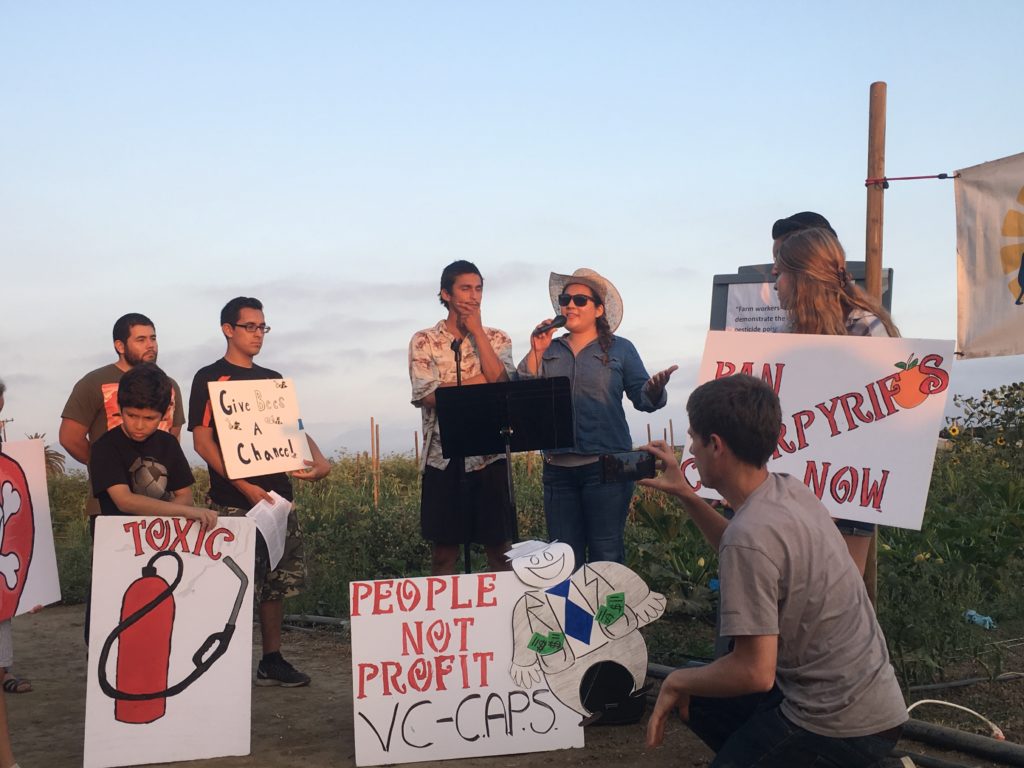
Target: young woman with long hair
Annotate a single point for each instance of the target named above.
(581, 510)
(820, 297)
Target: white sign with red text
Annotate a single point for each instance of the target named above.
(860, 415)
(431, 661)
(169, 677)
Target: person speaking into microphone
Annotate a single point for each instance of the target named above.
(580, 509)
(461, 351)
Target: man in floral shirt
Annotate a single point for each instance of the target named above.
(472, 502)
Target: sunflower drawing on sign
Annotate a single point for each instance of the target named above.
(1012, 255)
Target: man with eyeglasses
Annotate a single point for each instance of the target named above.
(459, 349)
(245, 329)
(91, 409)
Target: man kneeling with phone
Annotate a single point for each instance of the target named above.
(808, 681)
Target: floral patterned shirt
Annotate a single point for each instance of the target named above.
(431, 364)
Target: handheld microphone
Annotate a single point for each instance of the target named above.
(558, 322)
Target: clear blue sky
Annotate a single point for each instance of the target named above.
(332, 157)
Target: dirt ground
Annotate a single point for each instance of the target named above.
(311, 726)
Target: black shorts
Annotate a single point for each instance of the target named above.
(483, 497)
(854, 527)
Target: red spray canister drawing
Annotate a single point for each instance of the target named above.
(144, 648)
(143, 638)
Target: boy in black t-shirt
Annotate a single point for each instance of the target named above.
(244, 327)
(136, 469)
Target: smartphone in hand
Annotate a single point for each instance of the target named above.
(621, 467)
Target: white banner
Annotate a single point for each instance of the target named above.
(990, 258)
(258, 426)
(169, 677)
(860, 415)
(754, 307)
(28, 561)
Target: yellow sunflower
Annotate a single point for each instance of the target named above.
(953, 430)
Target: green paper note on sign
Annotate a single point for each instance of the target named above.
(545, 646)
(612, 610)
(537, 643)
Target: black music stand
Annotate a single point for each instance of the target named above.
(505, 417)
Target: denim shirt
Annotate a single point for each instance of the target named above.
(597, 389)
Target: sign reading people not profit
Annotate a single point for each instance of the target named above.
(431, 661)
(258, 426)
(860, 416)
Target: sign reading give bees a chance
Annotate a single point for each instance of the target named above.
(259, 427)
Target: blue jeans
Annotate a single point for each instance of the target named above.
(752, 731)
(585, 513)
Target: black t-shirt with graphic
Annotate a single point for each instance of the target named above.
(154, 467)
(199, 415)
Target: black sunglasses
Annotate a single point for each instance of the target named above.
(579, 299)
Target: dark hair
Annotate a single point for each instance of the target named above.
(3, 388)
(743, 411)
(233, 309)
(452, 271)
(605, 337)
(124, 324)
(144, 386)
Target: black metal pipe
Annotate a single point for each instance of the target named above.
(983, 746)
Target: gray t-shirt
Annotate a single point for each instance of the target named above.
(786, 571)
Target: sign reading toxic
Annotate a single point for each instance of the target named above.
(165, 658)
(860, 416)
(431, 673)
(259, 426)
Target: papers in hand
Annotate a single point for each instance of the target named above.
(271, 520)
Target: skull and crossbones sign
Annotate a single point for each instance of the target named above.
(10, 505)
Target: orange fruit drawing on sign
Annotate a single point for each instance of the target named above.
(911, 390)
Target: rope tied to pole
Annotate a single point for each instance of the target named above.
(884, 180)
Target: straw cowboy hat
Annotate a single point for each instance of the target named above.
(602, 288)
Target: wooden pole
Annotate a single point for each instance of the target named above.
(373, 451)
(376, 466)
(876, 192)
(416, 445)
(373, 457)
(873, 256)
(671, 435)
(648, 432)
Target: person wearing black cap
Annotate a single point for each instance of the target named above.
(820, 297)
(798, 221)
